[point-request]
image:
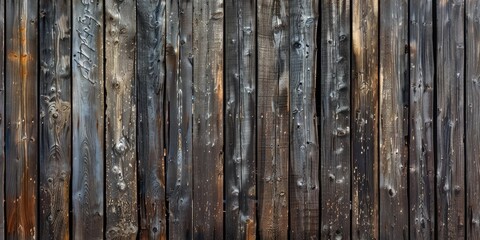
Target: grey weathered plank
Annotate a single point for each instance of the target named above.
(2, 119)
(21, 118)
(240, 116)
(273, 115)
(421, 148)
(365, 196)
(55, 119)
(179, 80)
(208, 119)
(393, 127)
(151, 81)
(120, 115)
(450, 167)
(335, 46)
(304, 202)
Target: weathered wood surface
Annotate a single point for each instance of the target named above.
(55, 119)
(335, 45)
(240, 98)
(21, 118)
(207, 149)
(273, 113)
(2, 119)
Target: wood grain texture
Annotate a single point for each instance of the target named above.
(120, 114)
(450, 166)
(273, 113)
(240, 116)
(151, 85)
(365, 196)
(2, 119)
(21, 118)
(179, 83)
(208, 119)
(421, 148)
(55, 119)
(335, 112)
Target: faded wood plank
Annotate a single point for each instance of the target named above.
(450, 119)
(304, 202)
(179, 80)
(335, 45)
(273, 115)
(151, 82)
(208, 119)
(365, 196)
(393, 129)
(21, 118)
(120, 114)
(240, 114)
(421, 148)
(2, 119)
(55, 118)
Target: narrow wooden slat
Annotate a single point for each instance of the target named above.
(365, 196)
(208, 119)
(450, 119)
(120, 130)
(151, 81)
(421, 148)
(273, 128)
(393, 119)
(21, 118)
(179, 70)
(2, 119)
(55, 118)
(335, 46)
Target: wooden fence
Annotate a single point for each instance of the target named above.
(240, 119)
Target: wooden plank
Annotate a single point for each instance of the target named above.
(450, 119)
(365, 196)
(179, 69)
(273, 114)
(240, 92)
(335, 46)
(421, 148)
(21, 118)
(393, 128)
(2, 119)
(208, 119)
(120, 135)
(55, 109)
(304, 185)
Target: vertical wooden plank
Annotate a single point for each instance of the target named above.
(304, 168)
(179, 69)
(393, 119)
(151, 82)
(273, 118)
(22, 118)
(240, 92)
(208, 119)
(335, 110)
(55, 108)
(365, 196)
(120, 113)
(421, 148)
(2, 119)
(450, 119)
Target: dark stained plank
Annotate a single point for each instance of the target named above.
(21, 118)
(273, 130)
(179, 80)
(208, 119)
(120, 115)
(335, 46)
(365, 196)
(55, 118)
(304, 185)
(450, 149)
(393, 119)
(2, 119)
(421, 148)
(150, 139)
(240, 94)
